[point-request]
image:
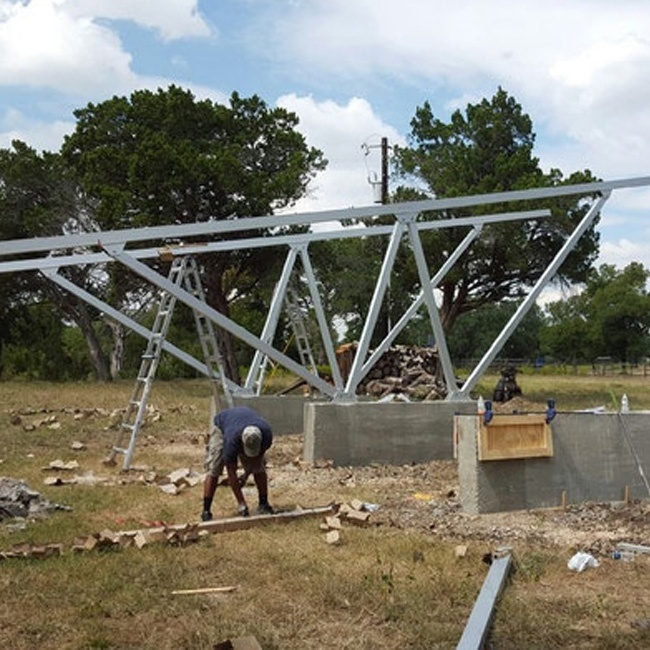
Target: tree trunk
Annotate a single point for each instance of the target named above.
(117, 353)
(216, 298)
(97, 356)
(77, 310)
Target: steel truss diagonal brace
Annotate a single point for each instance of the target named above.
(373, 311)
(429, 299)
(320, 317)
(254, 378)
(417, 303)
(118, 316)
(534, 294)
(222, 321)
(255, 374)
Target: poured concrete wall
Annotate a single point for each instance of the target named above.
(285, 413)
(376, 432)
(595, 458)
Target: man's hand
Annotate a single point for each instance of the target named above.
(242, 510)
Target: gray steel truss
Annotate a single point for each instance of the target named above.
(128, 247)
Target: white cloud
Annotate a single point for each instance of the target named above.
(43, 46)
(61, 44)
(580, 68)
(621, 252)
(176, 19)
(339, 131)
(40, 135)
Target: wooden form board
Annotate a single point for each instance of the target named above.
(515, 436)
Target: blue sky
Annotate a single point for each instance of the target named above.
(354, 71)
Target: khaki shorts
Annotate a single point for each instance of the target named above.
(214, 457)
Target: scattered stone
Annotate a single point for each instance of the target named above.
(61, 465)
(460, 551)
(333, 537)
(333, 523)
(357, 517)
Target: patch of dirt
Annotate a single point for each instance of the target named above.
(425, 498)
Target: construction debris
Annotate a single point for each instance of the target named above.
(17, 499)
(61, 465)
(27, 550)
(351, 512)
(174, 535)
(333, 537)
(632, 548)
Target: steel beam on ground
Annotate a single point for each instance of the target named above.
(478, 624)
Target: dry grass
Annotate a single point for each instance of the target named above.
(384, 587)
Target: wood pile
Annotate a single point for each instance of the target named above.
(409, 371)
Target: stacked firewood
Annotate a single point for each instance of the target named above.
(405, 370)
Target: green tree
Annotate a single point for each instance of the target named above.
(38, 198)
(165, 158)
(36, 349)
(475, 331)
(489, 148)
(619, 309)
(610, 317)
(568, 334)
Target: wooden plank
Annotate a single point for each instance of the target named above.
(203, 590)
(478, 623)
(515, 436)
(230, 524)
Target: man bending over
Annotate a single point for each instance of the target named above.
(239, 434)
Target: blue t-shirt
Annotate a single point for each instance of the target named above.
(232, 422)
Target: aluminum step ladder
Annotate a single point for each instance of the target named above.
(183, 271)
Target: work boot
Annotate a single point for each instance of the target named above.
(206, 515)
(265, 509)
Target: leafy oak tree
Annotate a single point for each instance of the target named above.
(165, 157)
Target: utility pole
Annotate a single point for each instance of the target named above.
(384, 171)
(381, 184)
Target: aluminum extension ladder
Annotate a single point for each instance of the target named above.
(297, 320)
(184, 271)
(299, 332)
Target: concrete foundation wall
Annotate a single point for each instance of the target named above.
(373, 432)
(592, 461)
(285, 413)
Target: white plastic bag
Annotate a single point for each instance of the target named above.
(581, 561)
